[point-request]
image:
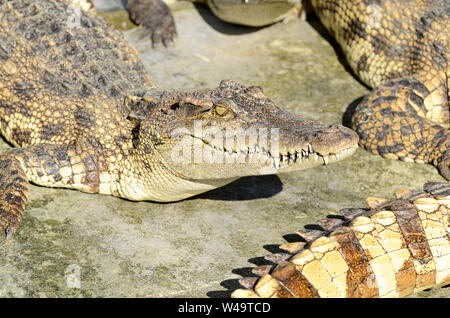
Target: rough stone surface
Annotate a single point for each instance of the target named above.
(76, 244)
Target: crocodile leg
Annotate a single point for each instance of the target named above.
(407, 119)
(47, 165)
(156, 17)
(13, 192)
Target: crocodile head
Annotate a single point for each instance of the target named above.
(214, 137)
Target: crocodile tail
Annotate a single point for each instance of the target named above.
(392, 249)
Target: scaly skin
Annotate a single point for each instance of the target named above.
(393, 249)
(399, 48)
(77, 103)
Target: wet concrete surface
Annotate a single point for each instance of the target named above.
(72, 244)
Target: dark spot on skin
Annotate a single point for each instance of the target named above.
(6, 47)
(21, 136)
(50, 167)
(89, 163)
(114, 91)
(380, 135)
(121, 139)
(67, 37)
(356, 28)
(439, 136)
(425, 22)
(91, 176)
(395, 148)
(49, 131)
(85, 91)
(148, 149)
(84, 118)
(378, 43)
(3, 123)
(382, 99)
(416, 99)
(39, 172)
(72, 49)
(62, 157)
(55, 27)
(135, 134)
(362, 65)
(102, 80)
(405, 130)
(93, 142)
(87, 23)
(12, 198)
(369, 2)
(21, 88)
(419, 87)
(393, 75)
(37, 49)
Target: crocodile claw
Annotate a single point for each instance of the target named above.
(156, 18)
(8, 223)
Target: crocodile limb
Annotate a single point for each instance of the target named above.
(398, 48)
(254, 13)
(78, 105)
(393, 249)
(402, 50)
(153, 15)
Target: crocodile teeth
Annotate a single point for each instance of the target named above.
(337, 156)
(325, 159)
(310, 148)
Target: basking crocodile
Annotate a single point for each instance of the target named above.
(81, 111)
(399, 48)
(393, 249)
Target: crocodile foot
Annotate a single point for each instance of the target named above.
(156, 18)
(13, 193)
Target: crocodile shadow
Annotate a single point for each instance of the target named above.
(245, 188)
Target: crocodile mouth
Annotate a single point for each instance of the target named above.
(224, 156)
(303, 158)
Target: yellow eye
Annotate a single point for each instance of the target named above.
(220, 110)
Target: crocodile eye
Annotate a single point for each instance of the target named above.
(220, 110)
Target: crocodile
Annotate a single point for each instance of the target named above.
(392, 249)
(400, 49)
(82, 113)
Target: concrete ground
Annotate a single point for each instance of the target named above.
(72, 244)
